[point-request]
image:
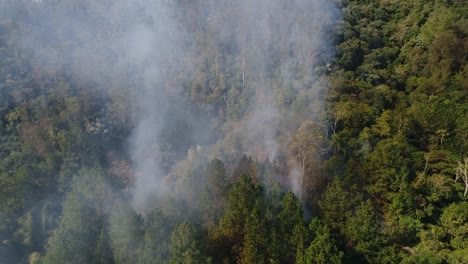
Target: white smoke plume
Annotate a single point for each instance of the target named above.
(278, 44)
(138, 43)
(147, 45)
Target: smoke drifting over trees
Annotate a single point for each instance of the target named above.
(150, 50)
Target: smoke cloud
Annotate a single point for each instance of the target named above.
(267, 49)
(279, 48)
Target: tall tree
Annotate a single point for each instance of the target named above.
(185, 246)
(308, 147)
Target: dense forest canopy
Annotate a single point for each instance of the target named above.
(268, 131)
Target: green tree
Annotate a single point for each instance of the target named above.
(290, 217)
(255, 244)
(185, 246)
(84, 206)
(125, 234)
(228, 237)
(214, 195)
(322, 249)
(337, 206)
(364, 232)
(389, 167)
(73, 241)
(102, 250)
(455, 221)
(157, 234)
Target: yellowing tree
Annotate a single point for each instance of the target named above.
(308, 147)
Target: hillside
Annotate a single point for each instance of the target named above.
(237, 131)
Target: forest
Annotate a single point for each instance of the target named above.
(233, 131)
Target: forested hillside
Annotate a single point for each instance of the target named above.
(233, 131)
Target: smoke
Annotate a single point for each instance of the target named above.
(278, 48)
(154, 50)
(267, 49)
(95, 43)
(288, 41)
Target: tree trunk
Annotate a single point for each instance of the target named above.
(302, 179)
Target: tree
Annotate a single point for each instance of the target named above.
(125, 234)
(102, 250)
(308, 147)
(337, 206)
(444, 242)
(455, 221)
(388, 167)
(255, 244)
(81, 224)
(289, 218)
(322, 249)
(242, 198)
(73, 240)
(462, 173)
(228, 237)
(157, 234)
(185, 246)
(214, 195)
(364, 232)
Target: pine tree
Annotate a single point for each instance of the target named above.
(254, 248)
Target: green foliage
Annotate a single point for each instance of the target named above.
(102, 251)
(242, 198)
(455, 221)
(213, 199)
(337, 205)
(79, 226)
(290, 218)
(322, 249)
(389, 167)
(254, 248)
(125, 234)
(185, 246)
(157, 234)
(364, 232)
